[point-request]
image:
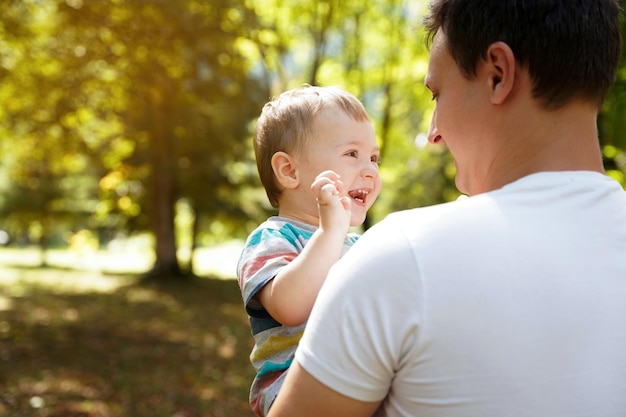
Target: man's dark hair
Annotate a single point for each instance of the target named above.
(571, 48)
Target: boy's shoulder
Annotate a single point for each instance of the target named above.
(281, 223)
(281, 227)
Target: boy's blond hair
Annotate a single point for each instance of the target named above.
(287, 124)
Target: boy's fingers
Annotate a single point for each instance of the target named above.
(319, 183)
(322, 182)
(345, 202)
(332, 175)
(327, 192)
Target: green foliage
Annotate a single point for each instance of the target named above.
(140, 103)
(51, 124)
(612, 124)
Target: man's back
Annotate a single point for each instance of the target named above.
(508, 303)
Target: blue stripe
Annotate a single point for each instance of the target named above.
(287, 231)
(295, 232)
(270, 367)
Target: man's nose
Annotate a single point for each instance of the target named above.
(433, 133)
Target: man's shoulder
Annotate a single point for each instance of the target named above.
(429, 214)
(439, 221)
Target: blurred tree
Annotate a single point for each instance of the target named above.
(188, 99)
(155, 94)
(49, 180)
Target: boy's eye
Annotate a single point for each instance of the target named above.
(353, 154)
(375, 159)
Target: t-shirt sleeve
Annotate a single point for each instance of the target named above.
(364, 320)
(266, 252)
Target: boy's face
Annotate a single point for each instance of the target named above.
(348, 147)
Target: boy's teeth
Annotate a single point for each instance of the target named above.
(359, 194)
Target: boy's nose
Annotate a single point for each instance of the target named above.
(370, 170)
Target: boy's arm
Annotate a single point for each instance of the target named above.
(290, 295)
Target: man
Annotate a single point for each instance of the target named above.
(511, 302)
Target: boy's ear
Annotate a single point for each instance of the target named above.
(285, 170)
(501, 62)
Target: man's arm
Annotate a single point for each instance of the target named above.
(301, 395)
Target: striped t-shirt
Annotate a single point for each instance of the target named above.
(274, 244)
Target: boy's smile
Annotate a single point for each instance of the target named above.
(360, 195)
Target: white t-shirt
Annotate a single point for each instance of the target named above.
(510, 303)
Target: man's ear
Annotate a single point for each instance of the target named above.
(501, 67)
(285, 170)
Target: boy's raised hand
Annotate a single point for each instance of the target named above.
(332, 202)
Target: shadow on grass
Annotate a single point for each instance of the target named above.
(139, 349)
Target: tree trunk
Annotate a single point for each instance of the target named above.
(195, 231)
(166, 263)
(43, 248)
(166, 266)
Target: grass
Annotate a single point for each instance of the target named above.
(133, 256)
(91, 344)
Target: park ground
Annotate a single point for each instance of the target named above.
(87, 337)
